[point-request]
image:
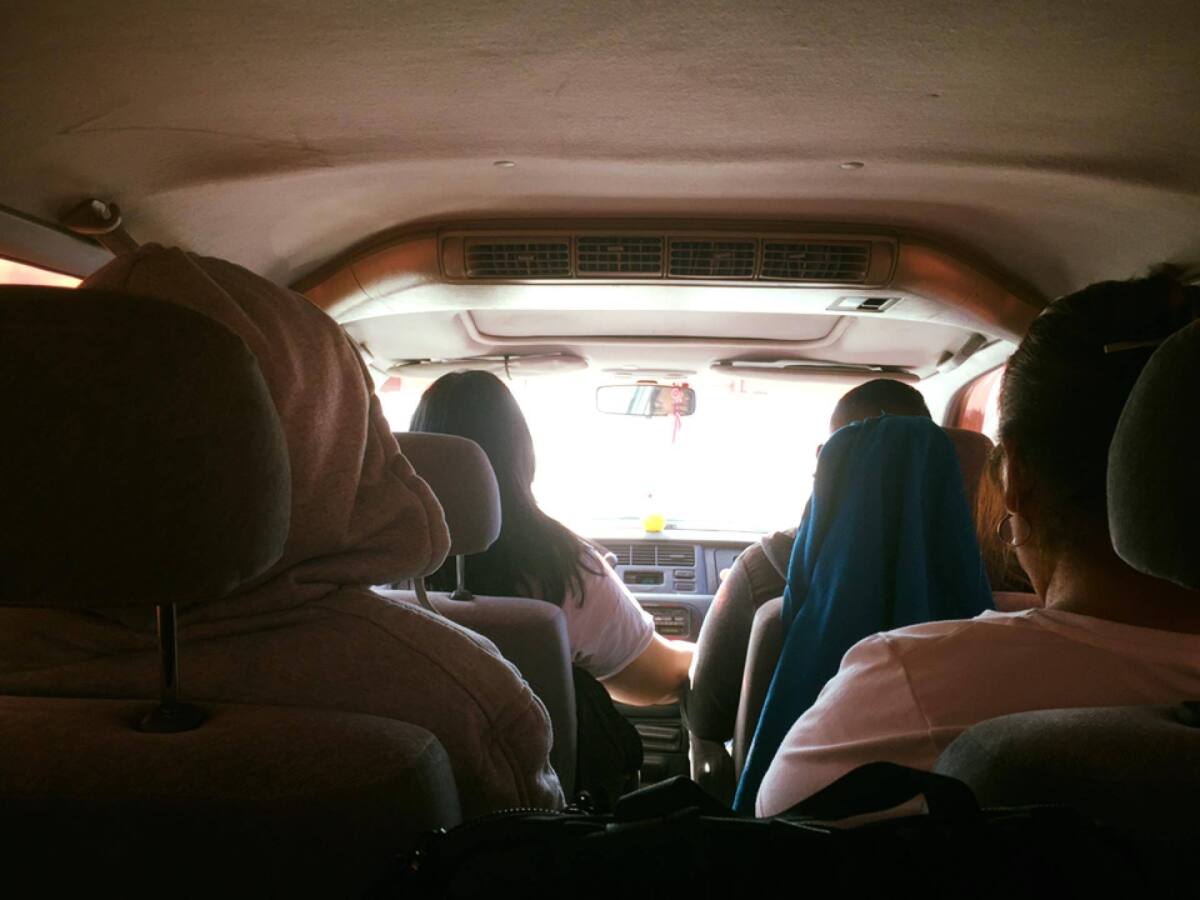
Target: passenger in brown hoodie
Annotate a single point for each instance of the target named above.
(310, 632)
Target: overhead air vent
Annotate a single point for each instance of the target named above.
(518, 259)
(864, 304)
(613, 256)
(816, 261)
(712, 259)
(677, 555)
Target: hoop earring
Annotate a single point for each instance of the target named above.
(1014, 529)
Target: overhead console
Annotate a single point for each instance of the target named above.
(770, 300)
(837, 270)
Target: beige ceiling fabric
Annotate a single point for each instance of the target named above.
(360, 515)
(1053, 140)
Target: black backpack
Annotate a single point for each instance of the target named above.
(673, 839)
(610, 749)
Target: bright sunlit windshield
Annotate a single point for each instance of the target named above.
(743, 462)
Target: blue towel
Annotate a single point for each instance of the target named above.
(887, 541)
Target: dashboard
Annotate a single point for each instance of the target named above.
(674, 576)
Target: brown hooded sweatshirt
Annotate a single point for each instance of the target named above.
(310, 632)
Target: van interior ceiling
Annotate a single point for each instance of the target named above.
(261, 137)
(727, 214)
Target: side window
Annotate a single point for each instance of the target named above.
(20, 273)
(979, 404)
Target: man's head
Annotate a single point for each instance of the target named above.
(876, 398)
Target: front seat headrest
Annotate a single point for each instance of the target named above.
(973, 450)
(1153, 492)
(461, 477)
(143, 462)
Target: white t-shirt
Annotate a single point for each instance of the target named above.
(905, 695)
(609, 630)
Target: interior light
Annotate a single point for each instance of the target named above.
(504, 164)
(852, 164)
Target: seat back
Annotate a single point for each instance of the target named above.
(766, 634)
(762, 655)
(272, 799)
(531, 634)
(146, 465)
(1130, 767)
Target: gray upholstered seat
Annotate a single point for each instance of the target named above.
(762, 655)
(145, 465)
(314, 802)
(754, 651)
(1115, 764)
(531, 634)
(1134, 767)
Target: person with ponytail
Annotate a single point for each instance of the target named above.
(1107, 635)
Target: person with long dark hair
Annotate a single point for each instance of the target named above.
(611, 636)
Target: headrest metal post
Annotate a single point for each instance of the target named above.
(170, 716)
(422, 595)
(460, 579)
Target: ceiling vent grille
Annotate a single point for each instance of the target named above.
(816, 261)
(607, 256)
(712, 259)
(519, 259)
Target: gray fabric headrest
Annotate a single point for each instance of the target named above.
(1153, 492)
(461, 477)
(143, 461)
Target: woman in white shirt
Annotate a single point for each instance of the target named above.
(1107, 635)
(611, 636)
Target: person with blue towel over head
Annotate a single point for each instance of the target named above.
(888, 540)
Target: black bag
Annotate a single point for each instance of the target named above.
(673, 837)
(609, 754)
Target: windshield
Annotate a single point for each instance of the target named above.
(743, 462)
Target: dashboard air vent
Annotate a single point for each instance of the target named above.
(712, 259)
(643, 555)
(518, 259)
(816, 261)
(609, 256)
(677, 555)
(648, 554)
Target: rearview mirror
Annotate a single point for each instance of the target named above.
(645, 400)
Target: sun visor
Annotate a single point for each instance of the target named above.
(810, 373)
(511, 366)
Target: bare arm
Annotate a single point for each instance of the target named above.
(658, 675)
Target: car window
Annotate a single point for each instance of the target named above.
(12, 272)
(980, 404)
(744, 461)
